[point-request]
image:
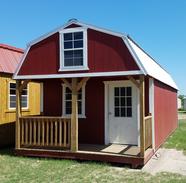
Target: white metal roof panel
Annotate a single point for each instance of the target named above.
(151, 67)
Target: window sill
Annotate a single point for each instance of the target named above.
(73, 69)
(14, 110)
(69, 116)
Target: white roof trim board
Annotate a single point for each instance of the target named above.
(146, 64)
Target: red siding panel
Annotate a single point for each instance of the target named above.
(52, 92)
(91, 129)
(43, 58)
(106, 53)
(165, 111)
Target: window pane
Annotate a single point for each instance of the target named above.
(129, 112)
(68, 96)
(78, 61)
(68, 110)
(24, 98)
(68, 62)
(116, 91)
(23, 104)
(68, 45)
(12, 99)
(123, 99)
(12, 104)
(78, 44)
(13, 85)
(123, 112)
(117, 114)
(78, 35)
(122, 91)
(68, 104)
(79, 107)
(67, 36)
(129, 91)
(78, 53)
(129, 101)
(12, 92)
(68, 90)
(116, 101)
(24, 92)
(68, 54)
(79, 96)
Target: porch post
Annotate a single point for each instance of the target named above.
(74, 117)
(18, 114)
(142, 116)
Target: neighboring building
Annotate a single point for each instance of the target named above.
(9, 59)
(116, 104)
(184, 104)
(179, 103)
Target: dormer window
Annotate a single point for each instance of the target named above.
(73, 44)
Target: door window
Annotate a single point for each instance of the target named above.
(123, 101)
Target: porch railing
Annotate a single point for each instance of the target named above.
(44, 132)
(148, 131)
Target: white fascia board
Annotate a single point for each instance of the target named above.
(21, 62)
(134, 55)
(59, 29)
(94, 74)
(44, 36)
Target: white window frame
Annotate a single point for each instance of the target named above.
(13, 108)
(82, 115)
(85, 55)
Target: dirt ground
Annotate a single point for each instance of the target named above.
(166, 160)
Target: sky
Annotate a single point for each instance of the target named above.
(158, 26)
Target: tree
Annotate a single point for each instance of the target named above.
(182, 99)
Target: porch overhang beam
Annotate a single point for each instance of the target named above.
(136, 83)
(82, 82)
(24, 84)
(69, 85)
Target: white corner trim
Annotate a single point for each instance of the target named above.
(21, 62)
(132, 52)
(106, 90)
(93, 74)
(151, 108)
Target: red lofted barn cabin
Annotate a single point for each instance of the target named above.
(103, 97)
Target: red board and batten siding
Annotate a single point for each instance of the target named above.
(106, 53)
(91, 128)
(165, 111)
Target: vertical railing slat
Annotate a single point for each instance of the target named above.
(34, 131)
(26, 131)
(30, 123)
(60, 132)
(43, 132)
(65, 133)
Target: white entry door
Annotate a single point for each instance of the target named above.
(123, 113)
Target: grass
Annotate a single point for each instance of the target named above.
(21, 169)
(40, 170)
(178, 139)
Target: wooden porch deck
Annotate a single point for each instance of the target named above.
(112, 153)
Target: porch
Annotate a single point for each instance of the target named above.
(56, 136)
(46, 136)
